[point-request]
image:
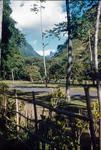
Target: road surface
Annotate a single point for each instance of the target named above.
(76, 94)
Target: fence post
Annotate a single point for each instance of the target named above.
(5, 100)
(35, 112)
(99, 101)
(17, 111)
(26, 120)
(36, 120)
(91, 122)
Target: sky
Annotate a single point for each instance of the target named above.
(29, 22)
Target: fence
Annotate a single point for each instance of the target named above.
(57, 130)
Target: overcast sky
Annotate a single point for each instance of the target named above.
(29, 22)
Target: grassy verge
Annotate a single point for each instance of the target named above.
(27, 83)
(54, 85)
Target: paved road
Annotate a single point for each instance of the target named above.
(81, 95)
(75, 94)
(31, 89)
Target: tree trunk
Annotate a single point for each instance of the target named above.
(1, 12)
(31, 79)
(91, 57)
(69, 48)
(96, 37)
(96, 64)
(13, 76)
(91, 122)
(90, 50)
(36, 120)
(43, 45)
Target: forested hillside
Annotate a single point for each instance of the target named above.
(27, 50)
(14, 48)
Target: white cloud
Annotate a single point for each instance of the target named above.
(29, 22)
(25, 18)
(47, 52)
(34, 42)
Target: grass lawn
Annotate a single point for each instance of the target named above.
(27, 83)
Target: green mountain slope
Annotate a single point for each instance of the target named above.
(27, 50)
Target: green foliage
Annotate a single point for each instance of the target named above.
(11, 41)
(33, 72)
(95, 110)
(57, 98)
(81, 62)
(3, 87)
(55, 71)
(83, 26)
(83, 15)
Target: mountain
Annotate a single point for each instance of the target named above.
(60, 55)
(27, 50)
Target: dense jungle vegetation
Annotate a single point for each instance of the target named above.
(31, 68)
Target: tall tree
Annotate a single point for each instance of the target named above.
(11, 39)
(43, 44)
(38, 8)
(96, 37)
(1, 10)
(96, 61)
(69, 47)
(76, 28)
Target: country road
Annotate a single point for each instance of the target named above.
(75, 93)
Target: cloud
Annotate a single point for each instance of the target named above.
(47, 52)
(51, 14)
(34, 42)
(29, 22)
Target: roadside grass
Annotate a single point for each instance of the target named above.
(81, 89)
(27, 83)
